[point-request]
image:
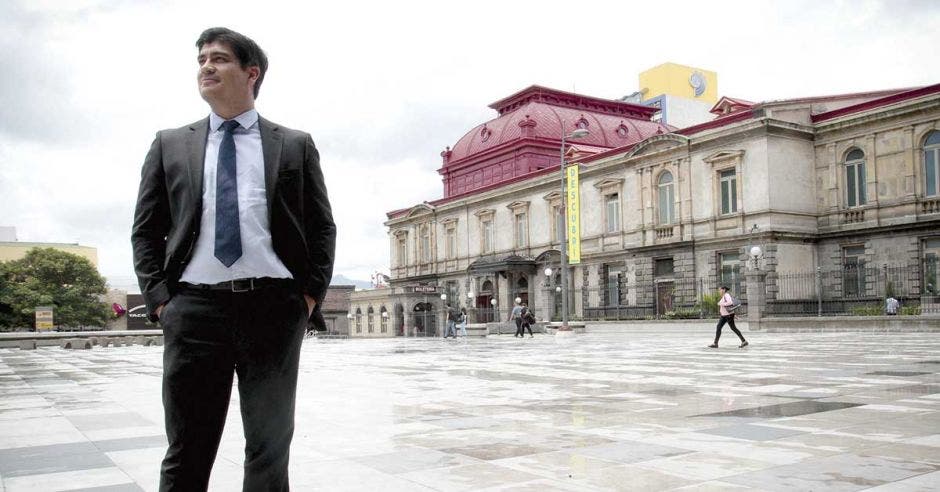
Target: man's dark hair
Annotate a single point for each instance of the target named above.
(725, 288)
(248, 52)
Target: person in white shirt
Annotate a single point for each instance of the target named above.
(233, 243)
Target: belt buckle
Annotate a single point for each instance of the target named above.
(251, 285)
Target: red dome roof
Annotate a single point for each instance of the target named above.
(538, 113)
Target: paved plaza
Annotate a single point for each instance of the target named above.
(637, 410)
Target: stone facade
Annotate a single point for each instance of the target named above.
(690, 204)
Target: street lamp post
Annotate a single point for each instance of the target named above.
(579, 133)
(444, 313)
(470, 311)
(548, 288)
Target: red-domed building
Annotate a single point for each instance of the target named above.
(821, 184)
(526, 136)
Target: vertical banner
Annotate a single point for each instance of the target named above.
(573, 202)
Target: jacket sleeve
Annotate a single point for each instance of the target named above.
(725, 300)
(319, 228)
(148, 235)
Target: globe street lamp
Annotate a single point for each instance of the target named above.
(579, 133)
(756, 254)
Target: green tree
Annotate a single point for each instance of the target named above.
(49, 277)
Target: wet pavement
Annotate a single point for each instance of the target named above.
(625, 411)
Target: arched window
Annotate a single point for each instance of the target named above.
(855, 195)
(932, 164)
(667, 199)
(383, 313)
(358, 320)
(371, 320)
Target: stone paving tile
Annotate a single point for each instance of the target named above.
(753, 432)
(39, 460)
(124, 487)
(630, 411)
(841, 472)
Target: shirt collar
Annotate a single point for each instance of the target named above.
(245, 120)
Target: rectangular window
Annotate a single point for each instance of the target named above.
(384, 321)
(853, 271)
(402, 251)
(932, 266)
(558, 224)
(452, 290)
(521, 231)
(931, 158)
(451, 244)
(425, 245)
(613, 213)
(615, 289)
(487, 231)
(729, 265)
(666, 204)
(855, 184)
(663, 267)
(729, 192)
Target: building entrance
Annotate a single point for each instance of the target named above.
(425, 320)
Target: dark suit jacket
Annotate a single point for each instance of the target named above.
(169, 209)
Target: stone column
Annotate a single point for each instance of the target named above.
(756, 300)
(409, 323)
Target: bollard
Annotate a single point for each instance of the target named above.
(93, 340)
(67, 345)
(158, 341)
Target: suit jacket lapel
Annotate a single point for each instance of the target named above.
(271, 150)
(196, 148)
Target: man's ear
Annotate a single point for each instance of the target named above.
(253, 74)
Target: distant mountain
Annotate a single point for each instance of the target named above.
(340, 279)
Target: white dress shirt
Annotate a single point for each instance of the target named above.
(258, 258)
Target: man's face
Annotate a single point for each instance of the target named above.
(221, 77)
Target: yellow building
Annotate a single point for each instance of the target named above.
(14, 250)
(681, 81)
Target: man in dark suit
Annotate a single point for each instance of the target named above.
(233, 243)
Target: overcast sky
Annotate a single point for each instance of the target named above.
(383, 87)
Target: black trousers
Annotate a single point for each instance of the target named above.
(730, 320)
(520, 332)
(209, 336)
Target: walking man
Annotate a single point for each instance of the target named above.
(233, 241)
(516, 315)
(725, 308)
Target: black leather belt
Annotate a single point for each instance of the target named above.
(242, 284)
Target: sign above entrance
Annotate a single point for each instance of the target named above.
(424, 289)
